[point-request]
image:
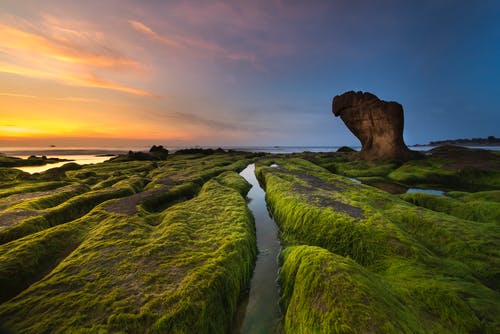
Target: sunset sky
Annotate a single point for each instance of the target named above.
(110, 72)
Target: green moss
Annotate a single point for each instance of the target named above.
(365, 168)
(468, 208)
(447, 168)
(24, 261)
(182, 274)
(108, 182)
(436, 171)
(11, 174)
(402, 252)
(160, 200)
(488, 196)
(327, 293)
(428, 171)
(182, 176)
(309, 213)
(115, 170)
(28, 186)
(356, 259)
(71, 209)
(51, 199)
(233, 180)
(79, 267)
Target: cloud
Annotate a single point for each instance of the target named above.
(63, 54)
(65, 98)
(66, 50)
(94, 81)
(193, 119)
(196, 45)
(71, 79)
(24, 96)
(141, 27)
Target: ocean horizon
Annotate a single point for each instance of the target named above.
(24, 151)
(114, 150)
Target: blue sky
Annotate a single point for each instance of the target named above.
(241, 72)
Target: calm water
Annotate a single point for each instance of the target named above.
(396, 189)
(260, 313)
(79, 159)
(427, 191)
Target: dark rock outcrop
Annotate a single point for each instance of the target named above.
(377, 124)
(346, 149)
(156, 153)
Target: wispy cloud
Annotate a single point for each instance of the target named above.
(193, 119)
(94, 81)
(63, 54)
(66, 50)
(65, 98)
(141, 27)
(197, 45)
(72, 79)
(24, 96)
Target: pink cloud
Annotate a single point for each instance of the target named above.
(196, 45)
(60, 52)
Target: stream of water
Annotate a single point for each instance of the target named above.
(260, 312)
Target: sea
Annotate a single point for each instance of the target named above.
(92, 155)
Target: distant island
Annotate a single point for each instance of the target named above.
(489, 141)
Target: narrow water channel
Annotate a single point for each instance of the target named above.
(260, 312)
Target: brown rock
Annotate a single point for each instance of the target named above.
(377, 124)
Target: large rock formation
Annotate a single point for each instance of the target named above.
(377, 124)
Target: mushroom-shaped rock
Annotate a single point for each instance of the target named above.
(377, 124)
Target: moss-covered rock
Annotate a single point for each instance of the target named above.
(178, 270)
(441, 271)
(445, 168)
(469, 207)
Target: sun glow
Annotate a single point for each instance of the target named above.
(79, 76)
(18, 131)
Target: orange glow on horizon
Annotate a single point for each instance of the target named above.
(37, 128)
(71, 76)
(61, 131)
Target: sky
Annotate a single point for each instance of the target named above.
(228, 73)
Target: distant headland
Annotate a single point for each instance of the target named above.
(489, 141)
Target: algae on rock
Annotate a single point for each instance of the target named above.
(176, 265)
(409, 270)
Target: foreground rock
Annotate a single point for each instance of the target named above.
(377, 124)
(154, 247)
(358, 260)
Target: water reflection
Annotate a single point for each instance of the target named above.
(427, 191)
(398, 189)
(79, 159)
(260, 312)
